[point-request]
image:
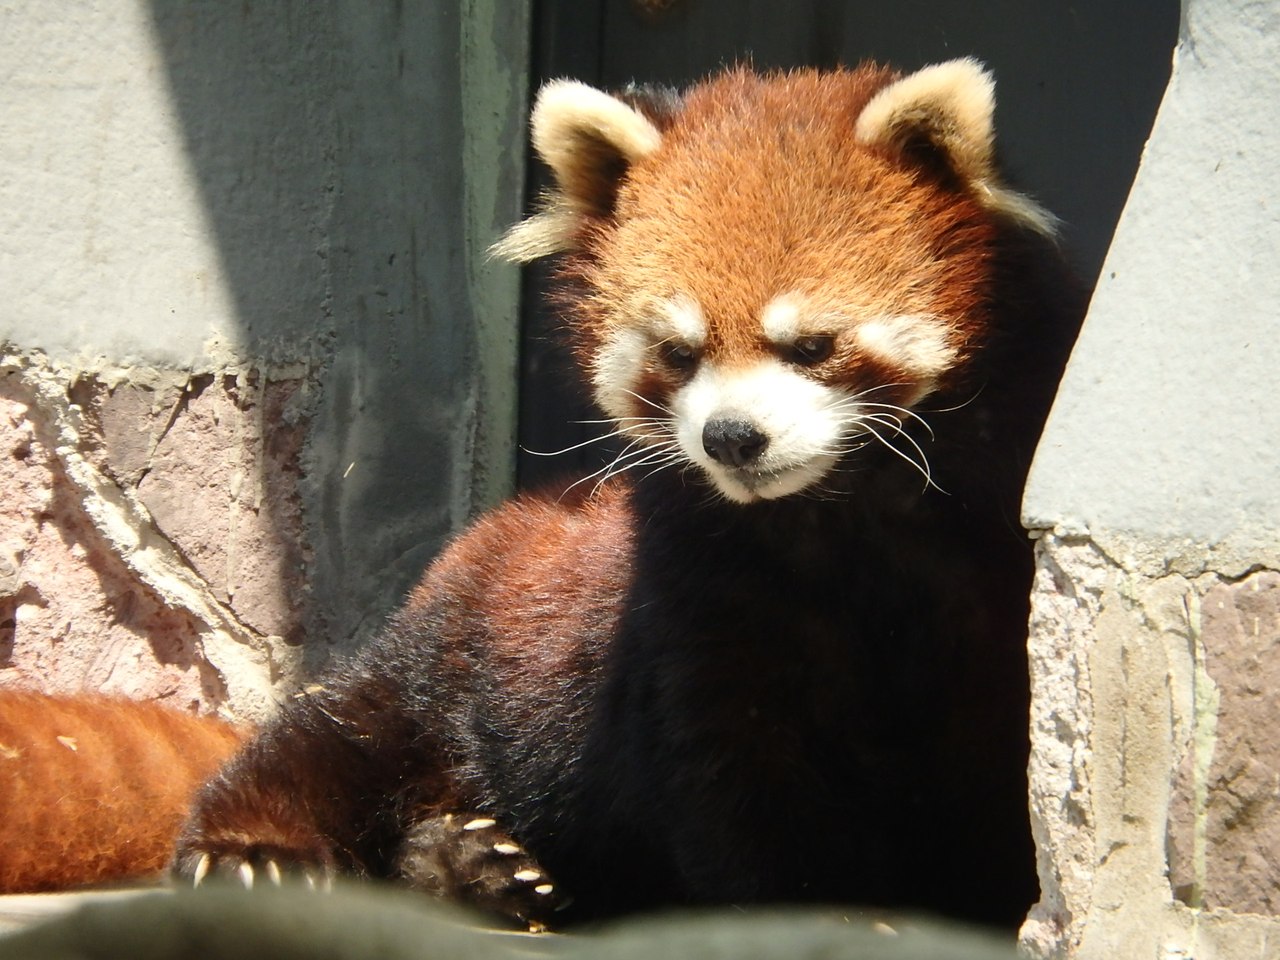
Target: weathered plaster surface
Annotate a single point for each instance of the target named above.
(1155, 771)
(105, 250)
(249, 325)
(144, 551)
(1152, 745)
(1166, 419)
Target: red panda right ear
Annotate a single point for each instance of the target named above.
(948, 108)
(588, 139)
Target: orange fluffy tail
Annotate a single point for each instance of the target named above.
(93, 789)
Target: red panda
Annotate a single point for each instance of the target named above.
(95, 788)
(777, 653)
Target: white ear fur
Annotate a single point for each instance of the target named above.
(546, 232)
(585, 136)
(952, 104)
(569, 112)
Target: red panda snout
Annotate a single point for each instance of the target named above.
(760, 431)
(733, 442)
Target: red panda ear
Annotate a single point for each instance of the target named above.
(943, 114)
(588, 139)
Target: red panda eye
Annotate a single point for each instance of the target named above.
(811, 350)
(680, 356)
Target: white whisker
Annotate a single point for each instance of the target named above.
(657, 406)
(643, 447)
(959, 406)
(621, 420)
(625, 427)
(664, 458)
(854, 403)
(922, 465)
(900, 414)
(576, 446)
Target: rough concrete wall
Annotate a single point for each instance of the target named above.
(255, 365)
(150, 538)
(1156, 614)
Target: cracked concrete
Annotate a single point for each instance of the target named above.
(145, 549)
(1155, 772)
(1154, 766)
(252, 351)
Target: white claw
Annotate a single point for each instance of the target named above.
(246, 875)
(323, 883)
(506, 849)
(202, 870)
(527, 876)
(480, 823)
(543, 889)
(273, 872)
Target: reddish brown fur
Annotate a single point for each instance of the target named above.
(93, 789)
(877, 236)
(670, 698)
(538, 566)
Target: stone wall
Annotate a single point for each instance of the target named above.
(1155, 637)
(152, 534)
(255, 365)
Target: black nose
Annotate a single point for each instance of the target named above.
(735, 443)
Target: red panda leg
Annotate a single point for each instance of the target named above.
(469, 859)
(319, 791)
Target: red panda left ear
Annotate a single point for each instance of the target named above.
(949, 106)
(588, 139)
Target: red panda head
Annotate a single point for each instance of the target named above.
(773, 270)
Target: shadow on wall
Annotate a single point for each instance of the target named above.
(326, 139)
(1078, 83)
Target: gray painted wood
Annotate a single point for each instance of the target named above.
(355, 161)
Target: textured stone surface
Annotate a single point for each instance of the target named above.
(1103, 649)
(220, 480)
(151, 537)
(1224, 831)
(1133, 678)
(74, 617)
(1067, 594)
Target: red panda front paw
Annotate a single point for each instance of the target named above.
(250, 864)
(469, 859)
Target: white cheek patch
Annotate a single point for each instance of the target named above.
(805, 423)
(617, 369)
(625, 352)
(919, 345)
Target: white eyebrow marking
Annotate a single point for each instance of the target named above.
(781, 318)
(684, 320)
(921, 345)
